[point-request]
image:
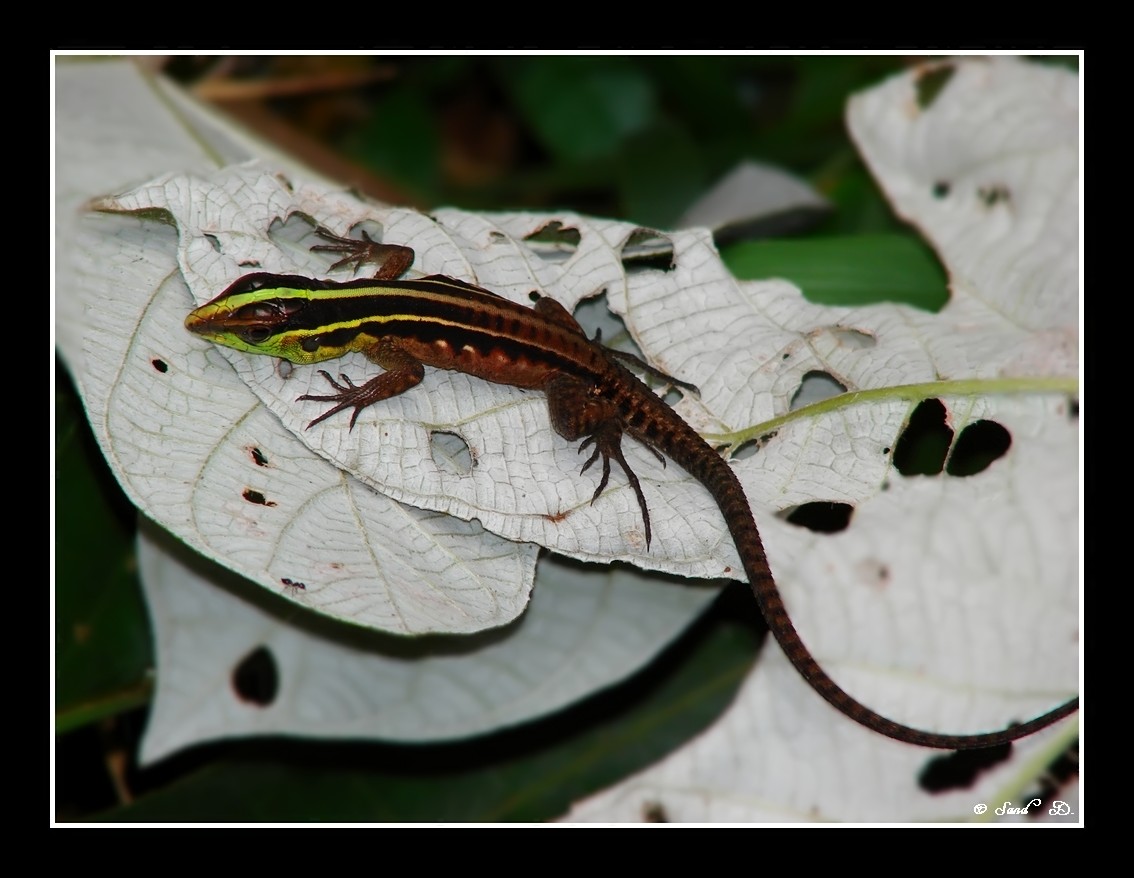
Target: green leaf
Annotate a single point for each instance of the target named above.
(102, 645)
(847, 271)
(660, 174)
(402, 141)
(582, 109)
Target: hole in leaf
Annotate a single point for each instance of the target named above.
(941, 189)
(855, 339)
(647, 250)
(816, 387)
(554, 242)
(257, 456)
(214, 242)
(256, 497)
(821, 516)
(1059, 773)
(654, 812)
(373, 229)
(291, 232)
(924, 441)
(747, 449)
(451, 452)
(256, 679)
(979, 444)
(160, 365)
(960, 770)
(1073, 410)
(931, 83)
(595, 316)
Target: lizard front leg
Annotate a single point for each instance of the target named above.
(551, 309)
(402, 372)
(392, 259)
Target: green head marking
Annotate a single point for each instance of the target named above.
(261, 314)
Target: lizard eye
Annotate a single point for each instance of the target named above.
(256, 334)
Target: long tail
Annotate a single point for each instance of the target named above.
(693, 454)
(725, 488)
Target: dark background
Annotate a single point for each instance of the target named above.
(636, 138)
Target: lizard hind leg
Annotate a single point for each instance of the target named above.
(402, 373)
(576, 413)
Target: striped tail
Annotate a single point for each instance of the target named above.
(689, 451)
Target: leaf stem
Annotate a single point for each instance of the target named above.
(911, 392)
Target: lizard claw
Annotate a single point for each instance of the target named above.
(349, 394)
(607, 441)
